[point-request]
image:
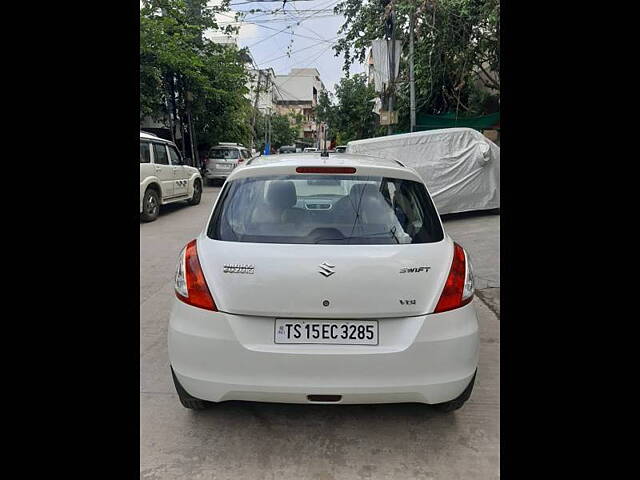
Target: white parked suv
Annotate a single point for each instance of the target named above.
(164, 178)
(324, 280)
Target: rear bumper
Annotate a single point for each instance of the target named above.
(427, 359)
(216, 175)
(212, 171)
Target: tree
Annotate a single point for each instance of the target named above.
(349, 113)
(181, 70)
(282, 131)
(325, 111)
(457, 53)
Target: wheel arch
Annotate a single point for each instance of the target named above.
(146, 186)
(192, 181)
(155, 186)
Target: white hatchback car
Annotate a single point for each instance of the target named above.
(164, 178)
(327, 280)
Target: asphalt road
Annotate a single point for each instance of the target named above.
(241, 440)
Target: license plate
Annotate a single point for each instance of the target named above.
(334, 332)
(223, 166)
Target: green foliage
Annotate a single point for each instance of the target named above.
(325, 111)
(457, 50)
(178, 63)
(282, 131)
(349, 114)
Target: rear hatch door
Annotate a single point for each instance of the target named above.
(325, 281)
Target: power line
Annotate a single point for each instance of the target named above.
(289, 16)
(293, 20)
(280, 31)
(333, 42)
(256, 14)
(322, 8)
(306, 64)
(249, 1)
(280, 87)
(270, 36)
(278, 20)
(298, 23)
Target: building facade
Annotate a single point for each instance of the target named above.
(297, 96)
(262, 92)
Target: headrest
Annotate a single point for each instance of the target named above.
(282, 194)
(361, 190)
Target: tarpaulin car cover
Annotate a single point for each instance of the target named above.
(460, 166)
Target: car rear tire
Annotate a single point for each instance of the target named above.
(197, 193)
(186, 399)
(459, 401)
(150, 205)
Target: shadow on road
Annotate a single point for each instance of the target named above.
(281, 413)
(166, 210)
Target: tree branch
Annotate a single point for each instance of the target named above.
(489, 81)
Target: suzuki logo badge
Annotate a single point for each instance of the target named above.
(326, 269)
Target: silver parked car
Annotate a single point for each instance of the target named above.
(287, 149)
(223, 158)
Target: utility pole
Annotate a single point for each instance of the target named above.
(255, 109)
(392, 64)
(267, 133)
(170, 117)
(174, 108)
(170, 101)
(412, 82)
(192, 139)
(325, 137)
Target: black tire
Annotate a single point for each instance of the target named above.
(187, 400)
(197, 193)
(457, 402)
(150, 205)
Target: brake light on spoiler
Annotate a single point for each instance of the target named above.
(326, 170)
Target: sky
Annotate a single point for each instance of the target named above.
(308, 36)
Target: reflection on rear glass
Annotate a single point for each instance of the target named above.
(226, 153)
(327, 209)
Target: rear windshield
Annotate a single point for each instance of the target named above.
(219, 153)
(325, 209)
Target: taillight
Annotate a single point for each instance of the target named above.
(458, 290)
(190, 284)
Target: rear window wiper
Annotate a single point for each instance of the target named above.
(391, 231)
